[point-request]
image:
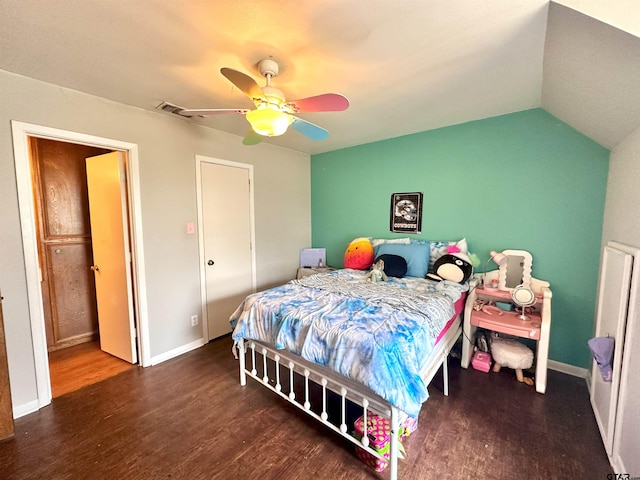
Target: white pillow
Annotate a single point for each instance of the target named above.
(439, 249)
(379, 241)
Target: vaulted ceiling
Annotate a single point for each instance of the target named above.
(406, 66)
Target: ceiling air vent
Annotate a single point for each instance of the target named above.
(170, 108)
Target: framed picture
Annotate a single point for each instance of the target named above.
(406, 212)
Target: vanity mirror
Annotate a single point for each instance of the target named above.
(516, 270)
(523, 297)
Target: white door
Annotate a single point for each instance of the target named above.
(106, 183)
(611, 316)
(227, 234)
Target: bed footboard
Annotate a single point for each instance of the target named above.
(270, 375)
(276, 369)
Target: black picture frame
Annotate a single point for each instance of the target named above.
(406, 212)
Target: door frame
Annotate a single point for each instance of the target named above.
(20, 132)
(200, 159)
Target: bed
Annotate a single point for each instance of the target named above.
(375, 345)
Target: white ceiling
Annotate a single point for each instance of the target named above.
(405, 65)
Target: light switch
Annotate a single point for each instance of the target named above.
(191, 228)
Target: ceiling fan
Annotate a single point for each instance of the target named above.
(273, 114)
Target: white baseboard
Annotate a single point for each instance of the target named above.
(177, 351)
(26, 408)
(568, 369)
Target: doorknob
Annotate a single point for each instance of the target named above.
(210, 262)
(94, 268)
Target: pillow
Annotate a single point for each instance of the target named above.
(376, 242)
(394, 265)
(453, 267)
(359, 254)
(439, 249)
(415, 254)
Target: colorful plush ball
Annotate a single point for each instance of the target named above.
(359, 254)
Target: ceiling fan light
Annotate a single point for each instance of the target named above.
(269, 122)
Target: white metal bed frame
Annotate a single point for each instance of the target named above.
(345, 388)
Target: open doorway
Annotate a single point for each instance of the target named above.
(22, 133)
(66, 251)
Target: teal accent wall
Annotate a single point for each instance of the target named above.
(520, 181)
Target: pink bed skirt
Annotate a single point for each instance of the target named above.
(458, 307)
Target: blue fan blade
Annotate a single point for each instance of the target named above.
(312, 131)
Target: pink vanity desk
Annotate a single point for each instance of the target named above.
(536, 328)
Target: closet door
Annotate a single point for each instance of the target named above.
(626, 441)
(611, 317)
(627, 434)
(227, 226)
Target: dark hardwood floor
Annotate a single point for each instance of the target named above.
(188, 418)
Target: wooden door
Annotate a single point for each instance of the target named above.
(64, 240)
(106, 183)
(227, 230)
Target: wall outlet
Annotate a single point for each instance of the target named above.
(194, 320)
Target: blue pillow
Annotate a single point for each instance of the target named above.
(416, 255)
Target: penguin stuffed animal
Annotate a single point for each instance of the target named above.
(454, 267)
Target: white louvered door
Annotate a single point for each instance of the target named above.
(616, 404)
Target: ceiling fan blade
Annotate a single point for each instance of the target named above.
(312, 131)
(251, 138)
(244, 82)
(327, 102)
(203, 112)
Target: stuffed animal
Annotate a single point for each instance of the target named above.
(454, 267)
(359, 254)
(377, 272)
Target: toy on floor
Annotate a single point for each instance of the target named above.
(511, 354)
(481, 361)
(378, 431)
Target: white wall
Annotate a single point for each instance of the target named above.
(590, 76)
(623, 14)
(621, 224)
(167, 147)
(623, 193)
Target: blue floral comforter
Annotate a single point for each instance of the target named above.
(379, 334)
